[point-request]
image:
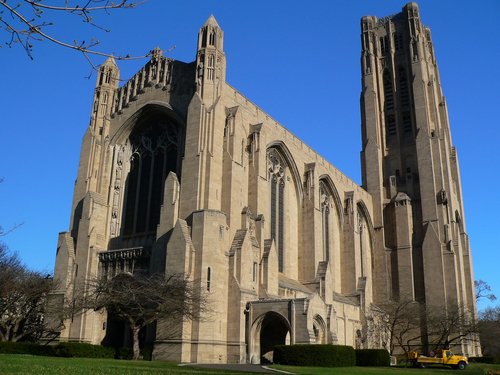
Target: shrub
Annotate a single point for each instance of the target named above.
(75, 349)
(124, 353)
(484, 359)
(372, 357)
(63, 349)
(314, 355)
(9, 347)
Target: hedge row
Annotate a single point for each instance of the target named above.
(372, 357)
(315, 355)
(73, 349)
(329, 356)
(485, 359)
(8, 347)
(63, 349)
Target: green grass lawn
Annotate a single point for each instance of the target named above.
(472, 369)
(34, 365)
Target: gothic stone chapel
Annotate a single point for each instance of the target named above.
(181, 174)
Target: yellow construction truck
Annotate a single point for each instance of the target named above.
(440, 357)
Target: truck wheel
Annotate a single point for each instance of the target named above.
(462, 365)
(422, 365)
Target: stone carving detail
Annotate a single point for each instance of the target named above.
(275, 164)
(156, 71)
(442, 197)
(117, 186)
(114, 262)
(309, 179)
(414, 49)
(324, 197)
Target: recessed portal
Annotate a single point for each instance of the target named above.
(274, 331)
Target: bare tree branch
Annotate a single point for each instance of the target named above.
(25, 28)
(483, 290)
(4, 232)
(86, 8)
(11, 229)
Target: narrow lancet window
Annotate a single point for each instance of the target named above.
(404, 95)
(388, 94)
(276, 169)
(209, 278)
(211, 67)
(325, 201)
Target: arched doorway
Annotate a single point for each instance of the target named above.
(319, 329)
(274, 331)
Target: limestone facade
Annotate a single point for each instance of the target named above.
(410, 167)
(181, 174)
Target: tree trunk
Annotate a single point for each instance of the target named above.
(135, 342)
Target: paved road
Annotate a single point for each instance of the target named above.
(238, 367)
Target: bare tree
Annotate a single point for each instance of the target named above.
(140, 300)
(483, 290)
(410, 325)
(448, 327)
(23, 296)
(489, 331)
(29, 21)
(401, 321)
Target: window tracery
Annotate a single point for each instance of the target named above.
(276, 173)
(153, 155)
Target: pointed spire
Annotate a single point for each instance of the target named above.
(108, 73)
(110, 61)
(211, 21)
(211, 35)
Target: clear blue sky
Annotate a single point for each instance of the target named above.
(299, 61)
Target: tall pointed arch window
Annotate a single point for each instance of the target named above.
(362, 234)
(276, 174)
(154, 146)
(325, 203)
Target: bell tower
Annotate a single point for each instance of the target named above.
(410, 167)
(206, 121)
(108, 78)
(210, 61)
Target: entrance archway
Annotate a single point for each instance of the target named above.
(319, 329)
(274, 331)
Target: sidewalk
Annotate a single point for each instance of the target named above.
(238, 367)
